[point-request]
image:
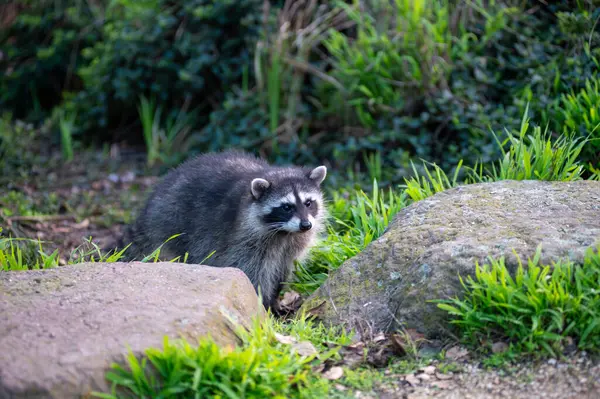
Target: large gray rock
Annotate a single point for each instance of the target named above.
(430, 242)
(60, 329)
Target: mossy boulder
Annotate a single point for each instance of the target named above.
(430, 243)
(60, 329)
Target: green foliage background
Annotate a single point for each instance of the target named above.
(306, 81)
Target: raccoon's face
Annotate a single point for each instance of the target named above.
(291, 202)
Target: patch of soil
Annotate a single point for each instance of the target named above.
(577, 376)
(93, 196)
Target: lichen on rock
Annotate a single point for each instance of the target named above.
(430, 243)
(60, 329)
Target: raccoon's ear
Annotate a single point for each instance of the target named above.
(258, 187)
(318, 174)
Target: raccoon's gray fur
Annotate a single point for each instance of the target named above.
(257, 217)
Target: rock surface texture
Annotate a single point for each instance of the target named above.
(60, 329)
(431, 242)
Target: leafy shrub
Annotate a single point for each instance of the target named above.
(239, 122)
(399, 48)
(484, 66)
(174, 52)
(537, 310)
(406, 75)
(581, 114)
(40, 52)
(16, 139)
(323, 80)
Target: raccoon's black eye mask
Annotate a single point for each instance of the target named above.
(291, 207)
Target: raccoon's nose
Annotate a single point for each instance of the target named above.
(305, 225)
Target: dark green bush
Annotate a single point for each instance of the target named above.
(324, 80)
(40, 52)
(177, 52)
(436, 80)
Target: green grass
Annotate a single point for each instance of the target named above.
(594, 173)
(150, 118)
(404, 42)
(535, 156)
(28, 254)
(580, 112)
(421, 187)
(537, 310)
(15, 203)
(13, 257)
(261, 366)
(165, 140)
(66, 124)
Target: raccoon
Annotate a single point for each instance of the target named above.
(254, 216)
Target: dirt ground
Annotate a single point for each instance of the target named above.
(577, 376)
(65, 204)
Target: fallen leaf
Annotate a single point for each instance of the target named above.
(289, 298)
(379, 337)
(352, 355)
(423, 377)
(340, 387)
(318, 368)
(379, 357)
(456, 352)
(305, 348)
(411, 379)
(357, 345)
(290, 303)
(113, 177)
(127, 177)
(317, 310)
(407, 341)
(428, 370)
(399, 344)
(415, 335)
(285, 339)
(334, 373)
(440, 376)
(500, 346)
(83, 224)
